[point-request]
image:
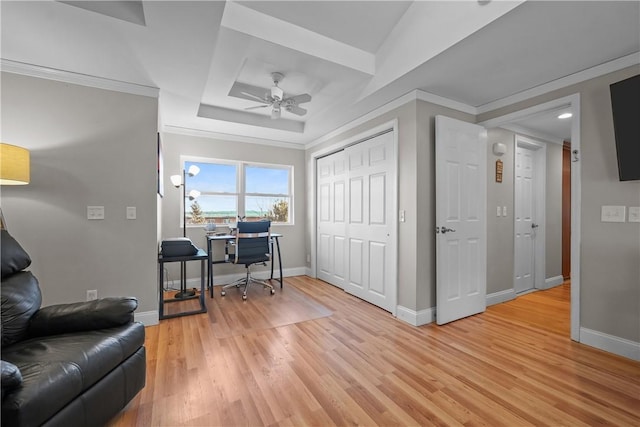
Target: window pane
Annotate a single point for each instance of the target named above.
(216, 209)
(274, 208)
(266, 180)
(212, 178)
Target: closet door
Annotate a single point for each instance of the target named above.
(371, 253)
(331, 215)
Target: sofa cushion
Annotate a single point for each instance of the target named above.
(11, 377)
(56, 369)
(14, 258)
(21, 298)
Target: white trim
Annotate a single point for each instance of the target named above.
(501, 296)
(77, 78)
(445, 102)
(552, 282)
(610, 343)
(576, 212)
(590, 73)
(398, 102)
(226, 137)
(221, 279)
(416, 318)
(147, 318)
(533, 134)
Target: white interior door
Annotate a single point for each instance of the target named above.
(525, 226)
(529, 214)
(461, 242)
(370, 245)
(331, 217)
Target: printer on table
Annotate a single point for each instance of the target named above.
(178, 246)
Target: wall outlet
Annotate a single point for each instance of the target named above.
(95, 212)
(308, 258)
(613, 213)
(92, 294)
(634, 213)
(131, 212)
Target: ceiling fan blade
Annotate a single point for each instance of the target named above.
(297, 110)
(251, 95)
(257, 106)
(300, 99)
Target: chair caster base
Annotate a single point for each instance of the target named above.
(244, 297)
(222, 293)
(273, 292)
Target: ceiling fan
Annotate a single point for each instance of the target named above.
(274, 97)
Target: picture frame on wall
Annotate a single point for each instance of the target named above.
(160, 168)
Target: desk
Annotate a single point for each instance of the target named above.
(227, 238)
(201, 256)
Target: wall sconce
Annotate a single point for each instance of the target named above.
(179, 181)
(499, 148)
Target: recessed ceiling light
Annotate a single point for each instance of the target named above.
(565, 115)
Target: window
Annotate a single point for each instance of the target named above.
(229, 190)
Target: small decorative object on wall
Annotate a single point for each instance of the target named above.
(160, 168)
(498, 170)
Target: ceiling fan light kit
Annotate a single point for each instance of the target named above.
(275, 98)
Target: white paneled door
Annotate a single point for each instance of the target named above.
(331, 217)
(356, 224)
(461, 241)
(525, 227)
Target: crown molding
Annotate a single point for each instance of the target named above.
(76, 78)
(579, 77)
(178, 130)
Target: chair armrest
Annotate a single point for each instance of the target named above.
(83, 316)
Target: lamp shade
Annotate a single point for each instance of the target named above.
(14, 165)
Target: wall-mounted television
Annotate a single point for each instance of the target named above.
(625, 105)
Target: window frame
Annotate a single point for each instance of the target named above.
(241, 194)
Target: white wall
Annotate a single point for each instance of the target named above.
(88, 147)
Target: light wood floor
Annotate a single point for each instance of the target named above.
(513, 365)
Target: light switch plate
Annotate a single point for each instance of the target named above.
(634, 213)
(613, 213)
(131, 212)
(95, 212)
(498, 211)
(504, 211)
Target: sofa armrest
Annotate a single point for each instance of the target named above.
(83, 316)
(11, 377)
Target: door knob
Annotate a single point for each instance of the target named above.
(534, 226)
(446, 230)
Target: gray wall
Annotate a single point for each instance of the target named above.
(88, 147)
(292, 243)
(610, 252)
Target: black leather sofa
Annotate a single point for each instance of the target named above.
(66, 365)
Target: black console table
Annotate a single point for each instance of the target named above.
(201, 256)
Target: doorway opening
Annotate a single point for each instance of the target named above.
(571, 103)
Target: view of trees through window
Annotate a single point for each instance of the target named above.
(232, 190)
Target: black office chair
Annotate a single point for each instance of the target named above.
(252, 246)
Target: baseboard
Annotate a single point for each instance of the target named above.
(610, 343)
(552, 282)
(501, 296)
(416, 318)
(309, 272)
(148, 318)
(220, 279)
